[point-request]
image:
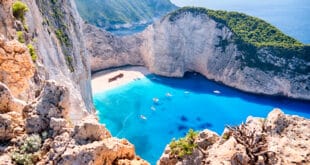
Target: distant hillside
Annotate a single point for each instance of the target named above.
(113, 14)
(249, 29)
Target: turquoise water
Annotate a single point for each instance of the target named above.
(192, 104)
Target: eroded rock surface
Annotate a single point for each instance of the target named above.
(11, 121)
(59, 140)
(278, 139)
(110, 51)
(42, 103)
(16, 66)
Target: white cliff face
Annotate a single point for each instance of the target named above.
(109, 51)
(52, 60)
(199, 43)
(177, 47)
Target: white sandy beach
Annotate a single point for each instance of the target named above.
(100, 81)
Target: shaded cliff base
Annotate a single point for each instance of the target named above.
(277, 139)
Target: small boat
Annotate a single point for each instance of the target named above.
(143, 117)
(186, 92)
(216, 92)
(153, 108)
(168, 94)
(155, 100)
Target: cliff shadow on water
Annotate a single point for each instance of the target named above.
(197, 83)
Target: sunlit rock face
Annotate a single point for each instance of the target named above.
(16, 66)
(278, 139)
(46, 110)
(196, 42)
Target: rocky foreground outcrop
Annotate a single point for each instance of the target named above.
(197, 42)
(278, 139)
(16, 67)
(46, 111)
(43, 133)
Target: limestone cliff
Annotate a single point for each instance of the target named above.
(278, 139)
(110, 51)
(46, 111)
(192, 40)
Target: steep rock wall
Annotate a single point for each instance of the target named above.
(45, 97)
(62, 54)
(109, 51)
(172, 47)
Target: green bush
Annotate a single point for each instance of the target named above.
(249, 29)
(20, 36)
(19, 9)
(25, 155)
(69, 62)
(22, 158)
(32, 52)
(184, 146)
(31, 144)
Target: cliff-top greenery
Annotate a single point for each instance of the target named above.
(106, 13)
(19, 9)
(250, 29)
(184, 146)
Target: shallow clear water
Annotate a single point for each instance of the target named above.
(193, 104)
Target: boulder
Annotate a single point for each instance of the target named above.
(11, 125)
(58, 124)
(16, 67)
(8, 102)
(90, 130)
(48, 105)
(206, 138)
(278, 139)
(276, 122)
(106, 151)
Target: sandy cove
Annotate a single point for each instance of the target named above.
(112, 78)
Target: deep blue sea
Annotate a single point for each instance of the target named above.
(129, 111)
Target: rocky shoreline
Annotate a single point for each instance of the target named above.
(277, 139)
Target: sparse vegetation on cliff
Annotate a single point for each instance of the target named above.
(19, 9)
(55, 18)
(25, 154)
(20, 36)
(184, 146)
(254, 36)
(32, 52)
(250, 29)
